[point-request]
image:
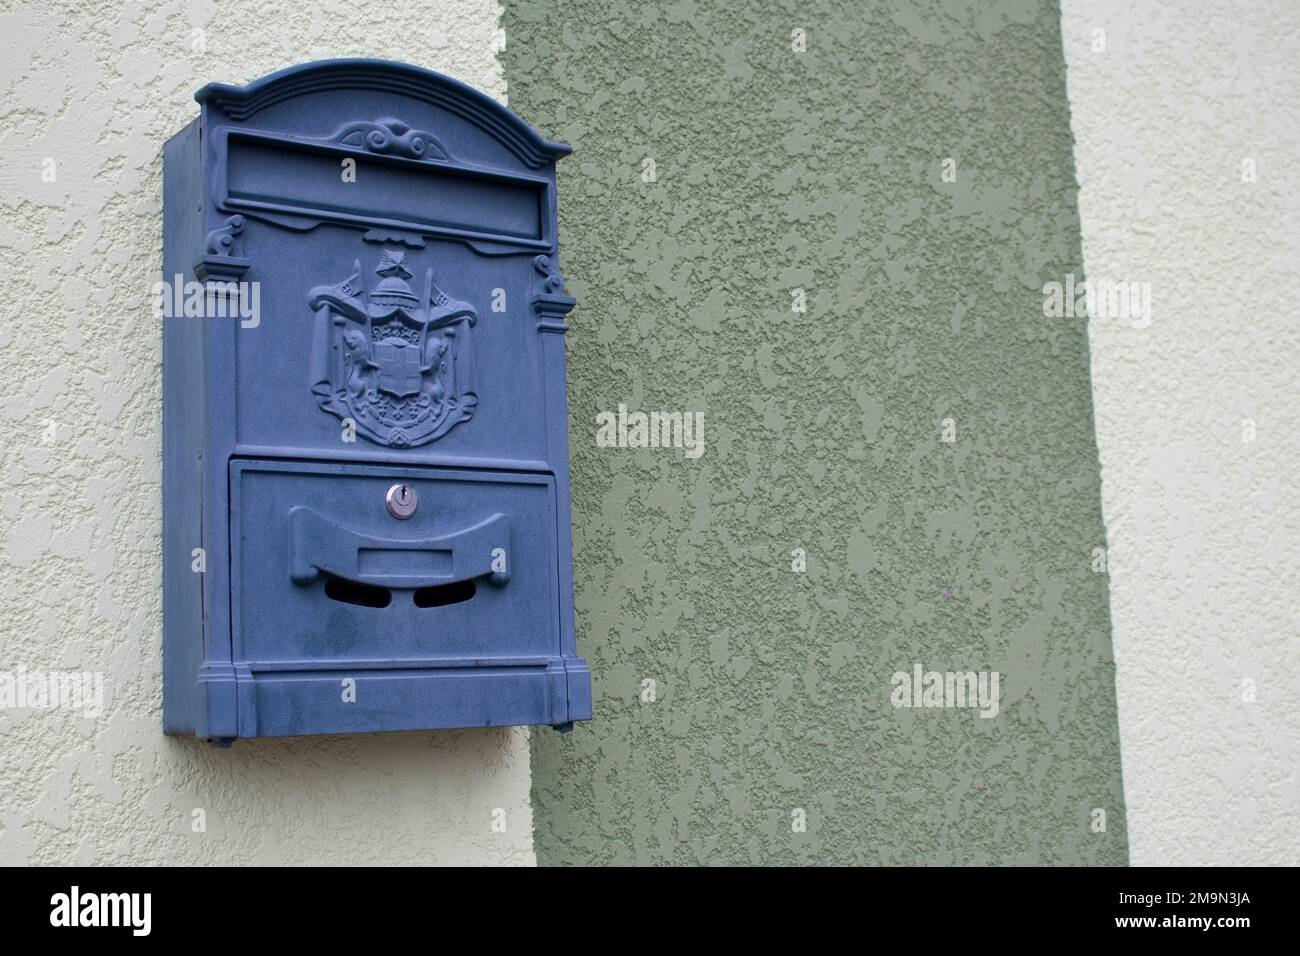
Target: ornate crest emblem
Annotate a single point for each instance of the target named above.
(396, 363)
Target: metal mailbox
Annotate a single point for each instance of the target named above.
(365, 460)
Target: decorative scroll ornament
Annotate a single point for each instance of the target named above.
(391, 137)
(397, 364)
(551, 302)
(552, 282)
(219, 259)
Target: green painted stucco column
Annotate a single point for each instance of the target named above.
(905, 175)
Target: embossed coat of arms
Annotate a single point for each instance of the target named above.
(398, 364)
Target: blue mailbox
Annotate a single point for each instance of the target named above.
(365, 460)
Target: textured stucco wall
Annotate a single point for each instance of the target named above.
(1203, 527)
(98, 88)
(822, 170)
(774, 170)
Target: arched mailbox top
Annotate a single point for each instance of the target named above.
(405, 153)
(240, 103)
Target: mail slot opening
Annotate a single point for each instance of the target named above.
(353, 592)
(441, 595)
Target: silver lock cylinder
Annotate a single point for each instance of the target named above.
(401, 501)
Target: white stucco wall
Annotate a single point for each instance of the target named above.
(97, 90)
(1203, 526)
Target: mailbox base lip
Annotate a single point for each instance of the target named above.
(276, 703)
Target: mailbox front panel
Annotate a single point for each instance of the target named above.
(366, 482)
(328, 577)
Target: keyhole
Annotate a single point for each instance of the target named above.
(401, 501)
